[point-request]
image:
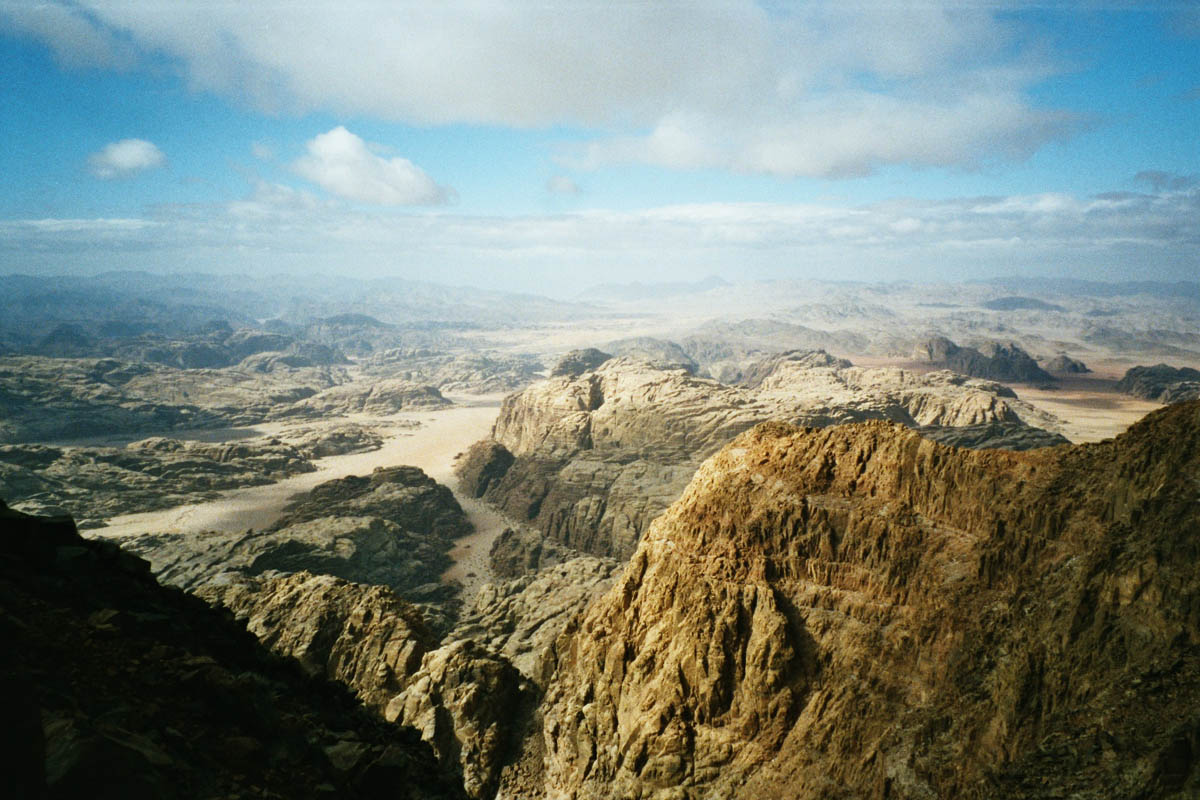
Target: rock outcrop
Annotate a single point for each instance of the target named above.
(48, 399)
(94, 483)
(364, 636)
(469, 704)
(394, 527)
(591, 460)
(577, 362)
(1161, 383)
(381, 398)
(472, 373)
(1063, 364)
(521, 618)
(860, 612)
(116, 687)
(996, 361)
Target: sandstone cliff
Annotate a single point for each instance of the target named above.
(860, 612)
(591, 459)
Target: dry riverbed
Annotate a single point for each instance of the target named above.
(438, 436)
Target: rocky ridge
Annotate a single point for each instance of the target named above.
(860, 612)
(592, 459)
(1161, 383)
(394, 528)
(997, 361)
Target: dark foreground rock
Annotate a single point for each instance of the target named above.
(116, 687)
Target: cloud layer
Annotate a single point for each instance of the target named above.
(343, 164)
(125, 158)
(278, 228)
(815, 89)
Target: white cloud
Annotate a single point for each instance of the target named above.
(561, 184)
(279, 228)
(76, 40)
(342, 163)
(125, 158)
(822, 88)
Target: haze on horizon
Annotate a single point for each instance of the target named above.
(549, 147)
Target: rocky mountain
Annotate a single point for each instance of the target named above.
(997, 361)
(1161, 383)
(1063, 364)
(393, 528)
(116, 687)
(857, 611)
(590, 460)
(465, 700)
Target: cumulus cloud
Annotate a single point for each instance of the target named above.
(561, 184)
(822, 88)
(125, 158)
(343, 164)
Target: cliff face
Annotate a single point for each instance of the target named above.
(860, 612)
(592, 459)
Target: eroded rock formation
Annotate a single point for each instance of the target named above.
(860, 612)
(997, 361)
(590, 460)
(1161, 383)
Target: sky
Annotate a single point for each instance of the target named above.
(548, 146)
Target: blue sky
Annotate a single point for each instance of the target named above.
(553, 145)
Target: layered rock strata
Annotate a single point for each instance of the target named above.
(860, 612)
(590, 460)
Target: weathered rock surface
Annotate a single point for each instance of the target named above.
(997, 361)
(591, 460)
(468, 703)
(394, 527)
(46, 399)
(116, 687)
(521, 618)
(473, 373)
(577, 362)
(364, 636)
(1161, 383)
(93, 483)
(659, 352)
(860, 612)
(381, 397)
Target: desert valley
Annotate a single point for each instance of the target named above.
(825, 539)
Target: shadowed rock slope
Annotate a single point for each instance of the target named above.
(116, 687)
(858, 612)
